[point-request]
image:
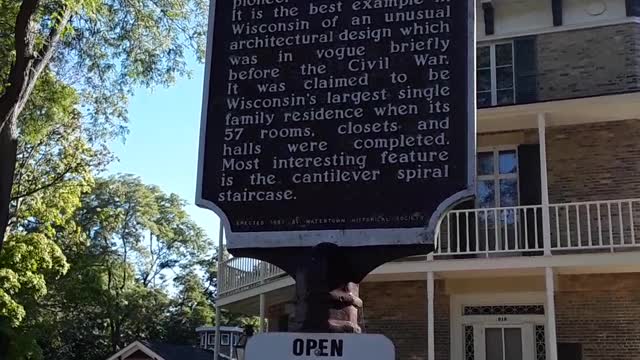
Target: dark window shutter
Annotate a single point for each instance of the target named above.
(530, 192)
(633, 7)
(556, 9)
(569, 351)
(529, 174)
(526, 71)
(489, 17)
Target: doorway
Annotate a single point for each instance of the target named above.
(503, 343)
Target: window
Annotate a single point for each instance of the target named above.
(495, 75)
(497, 178)
(236, 338)
(212, 339)
(224, 339)
(503, 343)
(203, 340)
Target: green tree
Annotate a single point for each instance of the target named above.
(106, 300)
(103, 49)
(55, 162)
(191, 308)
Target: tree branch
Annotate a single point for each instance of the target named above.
(55, 180)
(19, 74)
(45, 56)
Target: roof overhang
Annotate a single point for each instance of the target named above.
(132, 348)
(560, 112)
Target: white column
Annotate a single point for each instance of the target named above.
(263, 306)
(552, 347)
(431, 337)
(544, 186)
(216, 352)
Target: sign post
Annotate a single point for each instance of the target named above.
(334, 136)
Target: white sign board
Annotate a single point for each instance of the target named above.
(298, 346)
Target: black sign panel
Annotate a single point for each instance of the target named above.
(344, 121)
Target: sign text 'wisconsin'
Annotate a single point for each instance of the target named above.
(345, 121)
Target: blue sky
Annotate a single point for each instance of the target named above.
(162, 146)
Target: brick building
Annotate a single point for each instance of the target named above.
(545, 263)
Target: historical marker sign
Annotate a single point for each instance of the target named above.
(298, 346)
(337, 121)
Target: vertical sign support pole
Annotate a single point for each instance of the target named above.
(431, 354)
(326, 297)
(216, 351)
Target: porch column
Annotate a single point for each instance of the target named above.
(544, 186)
(431, 338)
(216, 352)
(263, 306)
(552, 342)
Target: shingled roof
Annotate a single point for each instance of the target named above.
(161, 351)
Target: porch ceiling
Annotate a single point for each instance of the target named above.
(563, 112)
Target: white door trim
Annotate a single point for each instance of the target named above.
(457, 301)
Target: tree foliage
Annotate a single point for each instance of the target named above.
(55, 162)
(101, 48)
(133, 245)
(90, 264)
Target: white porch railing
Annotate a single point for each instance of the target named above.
(594, 225)
(239, 274)
(510, 231)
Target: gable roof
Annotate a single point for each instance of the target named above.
(161, 351)
(179, 352)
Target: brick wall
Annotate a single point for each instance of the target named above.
(399, 311)
(601, 312)
(274, 313)
(585, 162)
(589, 162)
(588, 62)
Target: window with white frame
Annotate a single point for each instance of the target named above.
(497, 178)
(495, 74)
(224, 340)
(212, 339)
(203, 340)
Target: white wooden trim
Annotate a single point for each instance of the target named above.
(550, 312)
(570, 111)
(396, 271)
(222, 328)
(554, 29)
(133, 347)
(218, 306)
(431, 343)
(591, 262)
(263, 311)
(544, 186)
(268, 287)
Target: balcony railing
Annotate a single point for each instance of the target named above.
(599, 226)
(583, 226)
(240, 274)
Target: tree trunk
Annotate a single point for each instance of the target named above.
(8, 149)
